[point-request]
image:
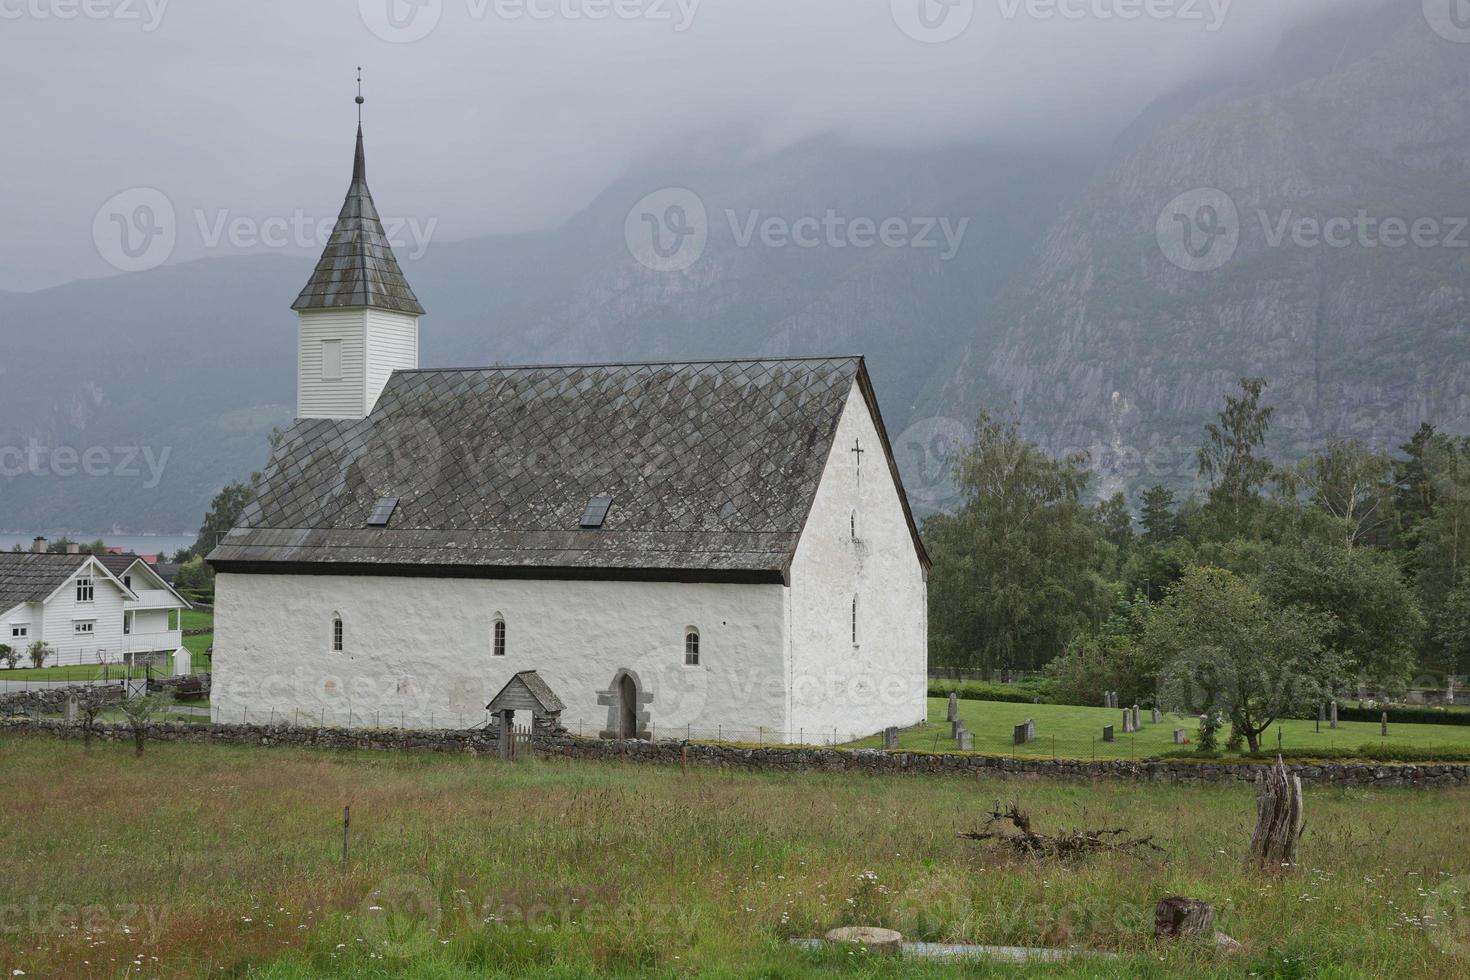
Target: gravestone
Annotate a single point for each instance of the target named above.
(1180, 735)
(1137, 719)
(890, 738)
(1385, 724)
(1127, 722)
(954, 707)
(1321, 715)
(955, 727)
(1332, 714)
(967, 741)
(1031, 730)
(1155, 716)
(72, 711)
(1019, 735)
(1107, 733)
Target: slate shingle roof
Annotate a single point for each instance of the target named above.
(28, 577)
(712, 466)
(358, 268)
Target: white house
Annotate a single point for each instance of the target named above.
(86, 609)
(713, 548)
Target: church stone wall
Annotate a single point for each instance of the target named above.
(881, 679)
(418, 651)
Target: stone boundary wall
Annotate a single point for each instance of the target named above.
(484, 742)
(46, 701)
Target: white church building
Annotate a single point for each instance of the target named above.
(712, 549)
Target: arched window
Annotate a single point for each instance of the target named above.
(854, 525)
(854, 621)
(691, 647)
(338, 636)
(499, 638)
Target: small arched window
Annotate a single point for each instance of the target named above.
(854, 621)
(499, 637)
(854, 525)
(691, 647)
(338, 635)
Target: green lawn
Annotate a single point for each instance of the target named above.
(226, 861)
(195, 619)
(1076, 733)
(74, 672)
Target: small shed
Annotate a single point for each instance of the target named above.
(525, 691)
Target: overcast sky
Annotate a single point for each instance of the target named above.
(506, 115)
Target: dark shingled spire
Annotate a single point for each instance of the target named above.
(358, 268)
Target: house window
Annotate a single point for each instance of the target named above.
(331, 360)
(499, 649)
(691, 647)
(128, 582)
(854, 621)
(86, 591)
(127, 624)
(20, 631)
(86, 628)
(337, 634)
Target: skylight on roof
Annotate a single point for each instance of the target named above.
(383, 512)
(596, 513)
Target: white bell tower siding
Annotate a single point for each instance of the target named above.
(392, 345)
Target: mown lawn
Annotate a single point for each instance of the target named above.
(1076, 733)
(71, 672)
(214, 860)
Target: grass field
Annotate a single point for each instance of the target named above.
(1076, 733)
(209, 860)
(71, 672)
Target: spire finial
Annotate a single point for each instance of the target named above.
(359, 163)
(360, 99)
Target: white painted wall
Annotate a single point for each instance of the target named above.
(316, 397)
(392, 345)
(418, 650)
(31, 615)
(881, 680)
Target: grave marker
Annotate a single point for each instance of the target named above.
(967, 741)
(1332, 712)
(1127, 722)
(1155, 716)
(1180, 735)
(1107, 733)
(954, 707)
(890, 738)
(1385, 724)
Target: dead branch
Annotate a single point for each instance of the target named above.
(1029, 843)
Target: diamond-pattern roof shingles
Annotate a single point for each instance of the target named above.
(358, 267)
(712, 466)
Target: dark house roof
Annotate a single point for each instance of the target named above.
(527, 683)
(28, 577)
(117, 564)
(712, 469)
(358, 268)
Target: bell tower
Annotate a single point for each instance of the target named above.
(357, 318)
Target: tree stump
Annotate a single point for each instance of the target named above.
(1279, 817)
(882, 941)
(1179, 918)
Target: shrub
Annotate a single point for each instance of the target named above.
(9, 655)
(1024, 692)
(39, 652)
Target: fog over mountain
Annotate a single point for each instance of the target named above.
(993, 220)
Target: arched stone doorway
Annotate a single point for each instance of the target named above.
(627, 707)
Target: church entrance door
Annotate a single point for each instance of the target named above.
(627, 708)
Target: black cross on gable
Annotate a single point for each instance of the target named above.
(857, 448)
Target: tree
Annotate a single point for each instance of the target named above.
(1113, 521)
(140, 711)
(1375, 619)
(1413, 499)
(1158, 514)
(1227, 650)
(90, 704)
(1352, 484)
(1013, 577)
(1230, 458)
(9, 655)
(1442, 555)
(39, 652)
(224, 514)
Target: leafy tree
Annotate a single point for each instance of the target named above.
(1375, 619)
(1230, 458)
(224, 514)
(90, 704)
(1452, 629)
(39, 652)
(140, 712)
(1013, 577)
(1158, 514)
(1109, 660)
(1152, 569)
(1442, 555)
(9, 655)
(1353, 484)
(1413, 499)
(193, 575)
(1226, 649)
(1113, 521)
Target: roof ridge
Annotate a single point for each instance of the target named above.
(607, 364)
